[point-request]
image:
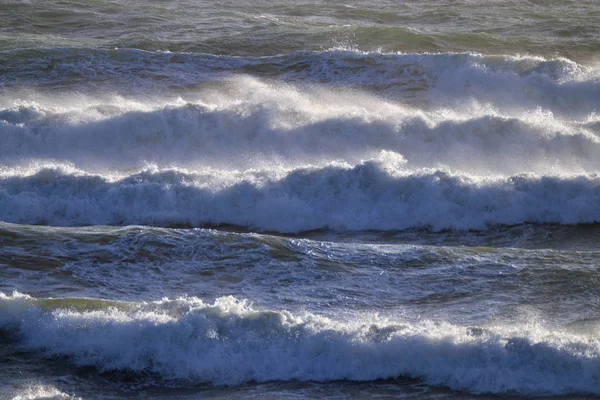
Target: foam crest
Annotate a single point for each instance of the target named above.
(379, 194)
(561, 85)
(231, 342)
(257, 124)
(42, 392)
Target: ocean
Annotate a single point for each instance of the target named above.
(299, 199)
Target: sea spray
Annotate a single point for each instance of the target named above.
(261, 124)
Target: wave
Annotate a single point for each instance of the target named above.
(254, 124)
(263, 29)
(379, 194)
(231, 342)
(42, 392)
(557, 84)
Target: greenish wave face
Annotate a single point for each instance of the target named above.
(516, 270)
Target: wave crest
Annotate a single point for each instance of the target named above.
(231, 342)
(380, 194)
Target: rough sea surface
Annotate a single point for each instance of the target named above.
(299, 199)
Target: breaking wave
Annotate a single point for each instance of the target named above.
(379, 194)
(438, 79)
(288, 158)
(252, 124)
(231, 342)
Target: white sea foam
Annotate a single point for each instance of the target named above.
(560, 85)
(41, 392)
(379, 194)
(231, 342)
(255, 124)
(286, 158)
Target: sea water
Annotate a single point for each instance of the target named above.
(299, 199)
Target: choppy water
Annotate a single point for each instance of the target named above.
(299, 199)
